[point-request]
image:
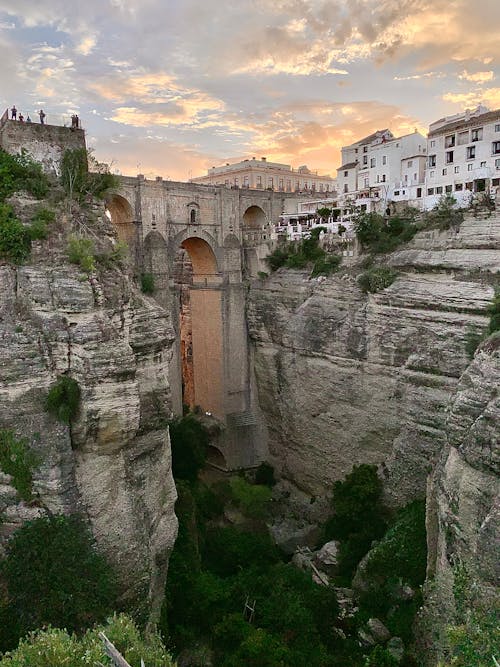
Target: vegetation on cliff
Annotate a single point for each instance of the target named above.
(305, 254)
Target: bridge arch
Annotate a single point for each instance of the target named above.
(198, 285)
(120, 212)
(254, 218)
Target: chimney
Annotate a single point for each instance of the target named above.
(264, 159)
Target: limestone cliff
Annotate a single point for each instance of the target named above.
(346, 377)
(463, 500)
(113, 462)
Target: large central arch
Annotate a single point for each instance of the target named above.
(197, 281)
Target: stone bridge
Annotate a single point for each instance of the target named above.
(200, 243)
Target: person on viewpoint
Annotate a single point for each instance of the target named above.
(42, 117)
(13, 113)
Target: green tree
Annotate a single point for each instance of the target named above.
(189, 440)
(17, 460)
(63, 399)
(15, 242)
(55, 575)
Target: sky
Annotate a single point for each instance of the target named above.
(173, 87)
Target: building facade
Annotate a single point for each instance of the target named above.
(263, 175)
(463, 155)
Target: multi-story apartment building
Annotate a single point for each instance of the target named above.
(382, 168)
(463, 155)
(264, 175)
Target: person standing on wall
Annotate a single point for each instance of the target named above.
(42, 117)
(13, 113)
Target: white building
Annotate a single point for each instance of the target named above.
(463, 155)
(382, 168)
(264, 175)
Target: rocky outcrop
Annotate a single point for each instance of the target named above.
(113, 462)
(464, 500)
(346, 378)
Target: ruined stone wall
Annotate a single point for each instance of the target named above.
(44, 143)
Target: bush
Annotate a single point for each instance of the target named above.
(229, 549)
(17, 460)
(494, 312)
(265, 475)
(81, 252)
(20, 172)
(189, 441)
(380, 657)
(376, 279)
(38, 230)
(55, 576)
(359, 517)
(147, 283)
(79, 182)
(57, 648)
(473, 643)
(378, 236)
(251, 499)
(63, 399)
(445, 215)
(327, 265)
(15, 242)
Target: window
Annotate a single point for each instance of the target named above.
(414, 177)
(459, 186)
(289, 185)
(281, 184)
(365, 159)
(483, 164)
(410, 163)
(372, 162)
(463, 138)
(383, 178)
(378, 178)
(456, 169)
(356, 151)
(430, 191)
(444, 172)
(396, 193)
(470, 166)
(321, 187)
(346, 174)
(433, 143)
(246, 181)
(497, 128)
(192, 216)
(365, 149)
(495, 147)
(449, 157)
(471, 152)
(419, 192)
(431, 174)
(384, 159)
(226, 182)
(346, 189)
(367, 182)
(495, 181)
(497, 163)
(447, 188)
(259, 181)
(449, 141)
(469, 185)
(406, 178)
(477, 135)
(270, 182)
(432, 160)
(236, 181)
(439, 190)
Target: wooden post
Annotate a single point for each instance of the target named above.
(113, 653)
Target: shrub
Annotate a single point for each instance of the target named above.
(229, 549)
(81, 252)
(494, 312)
(265, 474)
(15, 242)
(79, 182)
(252, 499)
(38, 230)
(147, 283)
(17, 460)
(57, 648)
(359, 517)
(55, 576)
(376, 279)
(63, 399)
(380, 236)
(262, 275)
(325, 266)
(380, 657)
(445, 215)
(20, 172)
(473, 643)
(189, 441)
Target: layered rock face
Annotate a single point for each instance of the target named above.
(113, 462)
(346, 378)
(463, 505)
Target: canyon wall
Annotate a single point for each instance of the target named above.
(112, 464)
(347, 378)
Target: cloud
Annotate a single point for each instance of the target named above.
(488, 96)
(425, 75)
(477, 77)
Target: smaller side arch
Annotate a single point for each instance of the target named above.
(254, 218)
(231, 241)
